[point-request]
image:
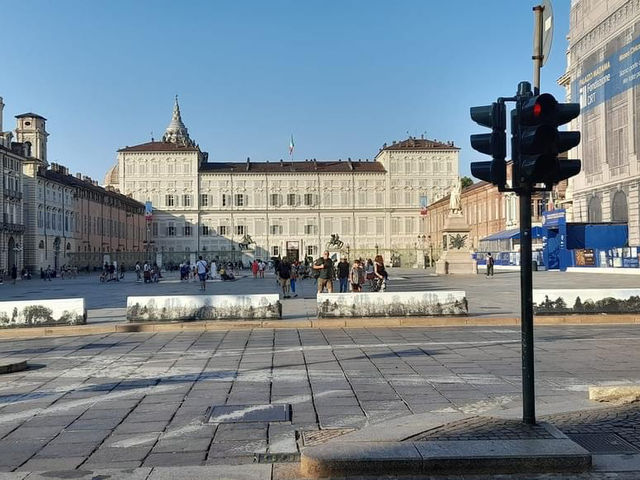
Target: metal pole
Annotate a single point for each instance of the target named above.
(526, 318)
(537, 47)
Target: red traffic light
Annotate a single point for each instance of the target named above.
(537, 110)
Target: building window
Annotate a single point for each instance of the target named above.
(222, 230)
(239, 200)
(275, 200)
(187, 230)
(241, 230)
(309, 229)
(169, 200)
(205, 230)
(171, 230)
(275, 251)
(312, 250)
(308, 199)
(594, 210)
(186, 200)
(226, 200)
(204, 200)
(291, 200)
(154, 229)
(276, 229)
(619, 210)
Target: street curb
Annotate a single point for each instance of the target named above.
(12, 367)
(615, 393)
(445, 457)
(75, 330)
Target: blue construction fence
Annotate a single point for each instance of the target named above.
(627, 257)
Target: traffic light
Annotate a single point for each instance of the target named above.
(494, 143)
(539, 142)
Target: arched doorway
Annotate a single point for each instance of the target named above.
(11, 257)
(56, 253)
(594, 211)
(619, 210)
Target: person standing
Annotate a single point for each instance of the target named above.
(294, 277)
(356, 276)
(380, 273)
(284, 274)
(14, 273)
(254, 268)
(138, 272)
(147, 272)
(201, 265)
(261, 267)
(325, 277)
(343, 275)
(490, 263)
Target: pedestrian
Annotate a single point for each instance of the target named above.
(138, 272)
(380, 273)
(490, 263)
(47, 273)
(356, 276)
(294, 277)
(261, 267)
(155, 273)
(326, 273)
(369, 275)
(115, 271)
(122, 270)
(112, 270)
(201, 266)
(284, 274)
(254, 268)
(343, 275)
(146, 270)
(14, 273)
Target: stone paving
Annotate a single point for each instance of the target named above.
(144, 400)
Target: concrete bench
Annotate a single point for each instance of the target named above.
(33, 313)
(392, 304)
(586, 301)
(203, 307)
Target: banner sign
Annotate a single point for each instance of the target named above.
(605, 74)
(148, 211)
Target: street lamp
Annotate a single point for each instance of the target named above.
(377, 249)
(348, 251)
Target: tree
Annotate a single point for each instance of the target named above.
(466, 182)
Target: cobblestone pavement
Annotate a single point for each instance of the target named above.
(131, 400)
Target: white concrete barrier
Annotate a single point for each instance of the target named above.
(392, 304)
(34, 313)
(203, 307)
(586, 301)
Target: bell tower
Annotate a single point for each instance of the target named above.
(31, 130)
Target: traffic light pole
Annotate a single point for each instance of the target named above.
(526, 313)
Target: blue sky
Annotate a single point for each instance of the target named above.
(343, 76)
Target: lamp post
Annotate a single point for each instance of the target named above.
(348, 251)
(377, 249)
(430, 252)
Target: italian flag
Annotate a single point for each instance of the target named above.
(291, 145)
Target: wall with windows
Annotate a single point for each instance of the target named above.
(603, 75)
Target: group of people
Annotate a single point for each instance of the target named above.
(257, 268)
(111, 272)
(287, 274)
(351, 277)
(147, 272)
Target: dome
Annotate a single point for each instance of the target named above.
(111, 178)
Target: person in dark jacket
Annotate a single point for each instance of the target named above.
(343, 274)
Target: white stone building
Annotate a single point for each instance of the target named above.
(603, 75)
(11, 201)
(287, 208)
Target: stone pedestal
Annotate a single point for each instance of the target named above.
(456, 243)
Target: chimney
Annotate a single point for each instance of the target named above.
(78, 175)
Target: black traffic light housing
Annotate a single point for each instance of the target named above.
(494, 143)
(539, 142)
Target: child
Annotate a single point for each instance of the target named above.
(356, 276)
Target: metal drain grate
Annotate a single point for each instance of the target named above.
(250, 413)
(318, 437)
(604, 443)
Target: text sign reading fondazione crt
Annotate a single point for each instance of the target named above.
(599, 80)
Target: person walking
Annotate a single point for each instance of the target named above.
(380, 274)
(356, 276)
(490, 263)
(14, 273)
(201, 266)
(261, 267)
(326, 274)
(369, 275)
(343, 275)
(138, 272)
(284, 274)
(147, 272)
(294, 277)
(254, 268)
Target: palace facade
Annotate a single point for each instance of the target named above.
(285, 208)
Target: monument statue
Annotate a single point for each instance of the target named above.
(454, 198)
(335, 241)
(245, 242)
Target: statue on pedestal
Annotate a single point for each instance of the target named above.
(454, 198)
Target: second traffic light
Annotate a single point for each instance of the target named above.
(540, 142)
(494, 143)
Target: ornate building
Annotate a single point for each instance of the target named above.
(285, 208)
(11, 201)
(603, 75)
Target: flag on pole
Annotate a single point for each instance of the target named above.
(291, 145)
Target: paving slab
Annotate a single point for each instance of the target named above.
(219, 472)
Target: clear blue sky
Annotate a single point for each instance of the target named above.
(343, 76)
